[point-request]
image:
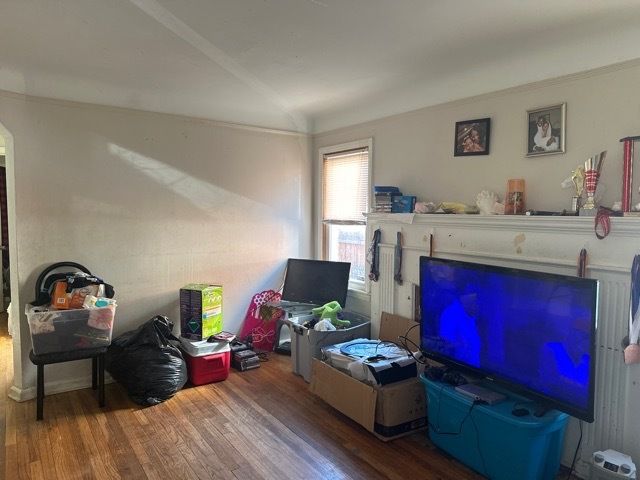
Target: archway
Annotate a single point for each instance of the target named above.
(18, 332)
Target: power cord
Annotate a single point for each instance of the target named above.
(575, 454)
(405, 341)
(484, 465)
(468, 414)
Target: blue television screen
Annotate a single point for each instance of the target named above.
(533, 331)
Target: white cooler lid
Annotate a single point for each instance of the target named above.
(202, 347)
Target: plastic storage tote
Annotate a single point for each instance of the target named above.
(306, 344)
(211, 368)
(505, 447)
(66, 330)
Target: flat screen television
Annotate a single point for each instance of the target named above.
(532, 332)
(316, 281)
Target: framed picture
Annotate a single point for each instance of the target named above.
(472, 137)
(546, 130)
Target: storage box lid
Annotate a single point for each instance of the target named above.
(202, 347)
(200, 286)
(502, 411)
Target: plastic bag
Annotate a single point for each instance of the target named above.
(146, 364)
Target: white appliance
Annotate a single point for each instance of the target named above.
(611, 465)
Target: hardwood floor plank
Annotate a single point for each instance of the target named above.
(36, 472)
(262, 424)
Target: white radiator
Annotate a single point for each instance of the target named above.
(608, 430)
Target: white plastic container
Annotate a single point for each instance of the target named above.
(199, 348)
(306, 344)
(55, 331)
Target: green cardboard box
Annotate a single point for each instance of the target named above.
(200, 310)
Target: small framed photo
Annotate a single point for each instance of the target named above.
(472, 137)
(546, 130)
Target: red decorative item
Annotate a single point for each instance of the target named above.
(592, 169)
(260, 320)
(627, 177)
(591, 181)
(627, 172)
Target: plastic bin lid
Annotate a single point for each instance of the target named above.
(502, 411)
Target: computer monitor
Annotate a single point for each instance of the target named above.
(316, 281)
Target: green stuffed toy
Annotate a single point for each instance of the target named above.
(330, 311)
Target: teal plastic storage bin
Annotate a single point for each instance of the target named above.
(492, 440)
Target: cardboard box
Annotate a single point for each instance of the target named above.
(200, 310)
(388, 411)
(403, 204)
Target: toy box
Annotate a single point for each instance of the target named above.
(200, 310)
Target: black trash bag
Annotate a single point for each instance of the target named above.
(146, 364)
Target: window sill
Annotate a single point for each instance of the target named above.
(359, 295)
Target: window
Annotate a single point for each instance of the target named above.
(345, 197)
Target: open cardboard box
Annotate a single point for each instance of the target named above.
(388, 411)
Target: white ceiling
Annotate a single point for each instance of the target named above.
(305, 65)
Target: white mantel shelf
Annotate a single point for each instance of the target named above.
(620, 226)
(550, 241)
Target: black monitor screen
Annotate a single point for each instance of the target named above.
(534, 331)
(316, 281)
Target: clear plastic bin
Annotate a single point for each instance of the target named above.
(306, 344)
(66, 330)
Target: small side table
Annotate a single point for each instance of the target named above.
(97, 370)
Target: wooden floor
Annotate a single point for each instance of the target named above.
(261, 424)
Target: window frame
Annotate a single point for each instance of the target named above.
(355, 288)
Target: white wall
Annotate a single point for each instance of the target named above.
(414, 150)
(151, 202)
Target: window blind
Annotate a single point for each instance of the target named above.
(345, 187)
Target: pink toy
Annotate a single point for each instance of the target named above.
(260, 320)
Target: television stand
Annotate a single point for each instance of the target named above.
(491, 439)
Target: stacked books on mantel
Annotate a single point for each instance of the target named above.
(389, 199)
(383, 196)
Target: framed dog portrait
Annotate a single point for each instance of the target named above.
(546, 130)
(472, 137)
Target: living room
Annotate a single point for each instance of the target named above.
(164, 143)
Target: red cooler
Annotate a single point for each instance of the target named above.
(208, 368)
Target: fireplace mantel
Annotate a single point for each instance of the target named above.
(543, 243)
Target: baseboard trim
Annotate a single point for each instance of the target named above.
(50, 388)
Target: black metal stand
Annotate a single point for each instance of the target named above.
(97, 371)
